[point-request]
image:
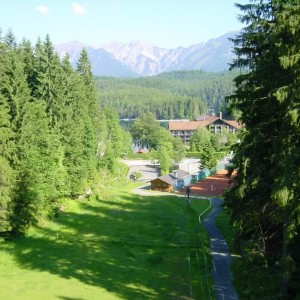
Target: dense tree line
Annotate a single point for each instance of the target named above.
(174, 95)
(54, 139)
(207, 143)
(220, 141)
(264, 202)
(147, 132)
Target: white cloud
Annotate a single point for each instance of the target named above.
(78, 9)
(42, 9)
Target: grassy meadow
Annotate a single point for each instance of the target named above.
(118, 246)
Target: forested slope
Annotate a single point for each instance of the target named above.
(174, 95)
(54, 141)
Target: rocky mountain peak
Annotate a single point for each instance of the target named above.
(139, 58)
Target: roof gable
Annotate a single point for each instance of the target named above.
(167, 178)
(181, 174)
(172, 177)
(233, 123)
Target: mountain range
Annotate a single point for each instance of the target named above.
(135, 59)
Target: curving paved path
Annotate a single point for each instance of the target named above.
(221, 259)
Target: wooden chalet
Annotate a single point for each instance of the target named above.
(172, 181)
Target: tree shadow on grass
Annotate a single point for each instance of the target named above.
(69, 298)
(134, 248)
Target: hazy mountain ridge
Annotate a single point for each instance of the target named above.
(143, 59)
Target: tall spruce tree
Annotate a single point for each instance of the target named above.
(7, 148)
(15, 86)
(48, 76)
(287, 152)
(90, 111)
(14, 93)
(207, 159)
(263, 202)
(26, 54)
(41, 174)
(72, 128)
(10, 39)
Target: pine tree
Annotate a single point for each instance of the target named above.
(10, 40)
(286, 186)
(26, 54)
(41, 172)
(14, 93)
(263, 202)
(90, 111)
(7, 147)
(71, 124)
(207, 159)
(14, 86)
(48, 78)
(259, 114)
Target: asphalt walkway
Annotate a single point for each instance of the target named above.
(221, 259)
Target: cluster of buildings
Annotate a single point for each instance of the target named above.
(215, 124)
(184, 129)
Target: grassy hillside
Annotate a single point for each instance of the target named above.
(119, 246)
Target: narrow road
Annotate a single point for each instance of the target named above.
(146, 168)
(221, 258)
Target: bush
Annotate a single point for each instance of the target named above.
(149, 155)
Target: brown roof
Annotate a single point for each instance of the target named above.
(193, 125)
(189, 125)
(234, 124)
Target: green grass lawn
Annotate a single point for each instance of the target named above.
(119, 246)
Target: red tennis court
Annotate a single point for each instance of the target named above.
(213, 185)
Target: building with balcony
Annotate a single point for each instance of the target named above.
(184, 129)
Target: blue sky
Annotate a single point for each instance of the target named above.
(164, 23)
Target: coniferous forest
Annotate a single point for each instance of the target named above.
(54, 140)
(174, 95)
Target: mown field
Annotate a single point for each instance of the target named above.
(118, 246)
